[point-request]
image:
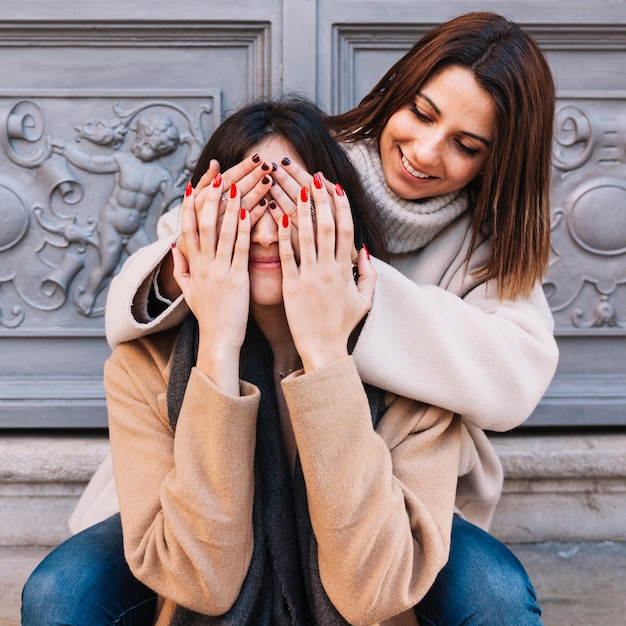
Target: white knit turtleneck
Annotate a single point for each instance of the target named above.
(408, 224)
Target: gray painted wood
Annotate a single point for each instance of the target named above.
(78, 81)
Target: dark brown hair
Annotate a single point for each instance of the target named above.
(510, 200)
(304, 126)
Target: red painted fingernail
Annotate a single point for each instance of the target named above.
(233, 191)
(339, 190)
(317, 181)
(285, 220)
(188, 189)
(256, 158)
(242, 214)
(173, 244)
(304, 194)
(217, 181)
(367, 252)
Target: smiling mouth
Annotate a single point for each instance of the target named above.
(411, 170)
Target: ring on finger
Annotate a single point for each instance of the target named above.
(225, 200)
(312, 207)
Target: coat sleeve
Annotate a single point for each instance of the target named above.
(185, 498)
(487, 359)
(126, 315)
(381, 501)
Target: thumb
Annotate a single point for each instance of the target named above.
(213, 169)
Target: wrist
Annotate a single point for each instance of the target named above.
(165, 286)
(318, 360)
(221, 370)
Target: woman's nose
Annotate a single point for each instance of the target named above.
(428, 148)
(265, 231)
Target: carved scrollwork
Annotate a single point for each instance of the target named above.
(24, 127)
(587, 273)
(604, 316)
(573, 138)
(95, 186)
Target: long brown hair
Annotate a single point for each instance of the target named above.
(510, 200)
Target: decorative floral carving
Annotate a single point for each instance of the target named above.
(95, 188)
(587, 272)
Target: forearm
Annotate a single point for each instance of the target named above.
(127, 316)
(381, 503)
(185, 500)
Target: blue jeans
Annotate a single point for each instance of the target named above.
(483, 584)
(86, 582)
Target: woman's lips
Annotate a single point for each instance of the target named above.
(265, 263)
(411, 170)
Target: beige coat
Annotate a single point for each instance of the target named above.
(381, 502)
(434, 334)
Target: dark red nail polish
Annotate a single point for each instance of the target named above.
(272, 205)
(262, 202)
(265, 180)
(317, 181)
(242, 214)
(285, 220)
(188, 189)
(217, 181)
(339, 190)
(274, 167)
(265, 167)
(285, 161)
(304, 194)
(233, 191)
(256, 158)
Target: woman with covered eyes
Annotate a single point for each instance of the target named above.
(454, 146)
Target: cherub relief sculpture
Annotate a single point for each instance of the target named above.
(78, 198)
(139, 178)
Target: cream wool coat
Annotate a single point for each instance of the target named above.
(381, 501)
(434, 333)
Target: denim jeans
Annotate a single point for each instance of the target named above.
(483, 584)
(86, 582)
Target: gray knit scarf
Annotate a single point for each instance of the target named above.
(408, 224)
(282, 586)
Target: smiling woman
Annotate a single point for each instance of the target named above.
(453, 145)
(439, 142)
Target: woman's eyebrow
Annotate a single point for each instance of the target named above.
(466, 133)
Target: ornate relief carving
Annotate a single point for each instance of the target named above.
(82, 185)
(587, 276)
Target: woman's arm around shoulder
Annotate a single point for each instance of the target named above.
(127, 316)
(489, 360)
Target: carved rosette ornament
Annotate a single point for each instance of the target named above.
(586, 281)
(83, 182)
